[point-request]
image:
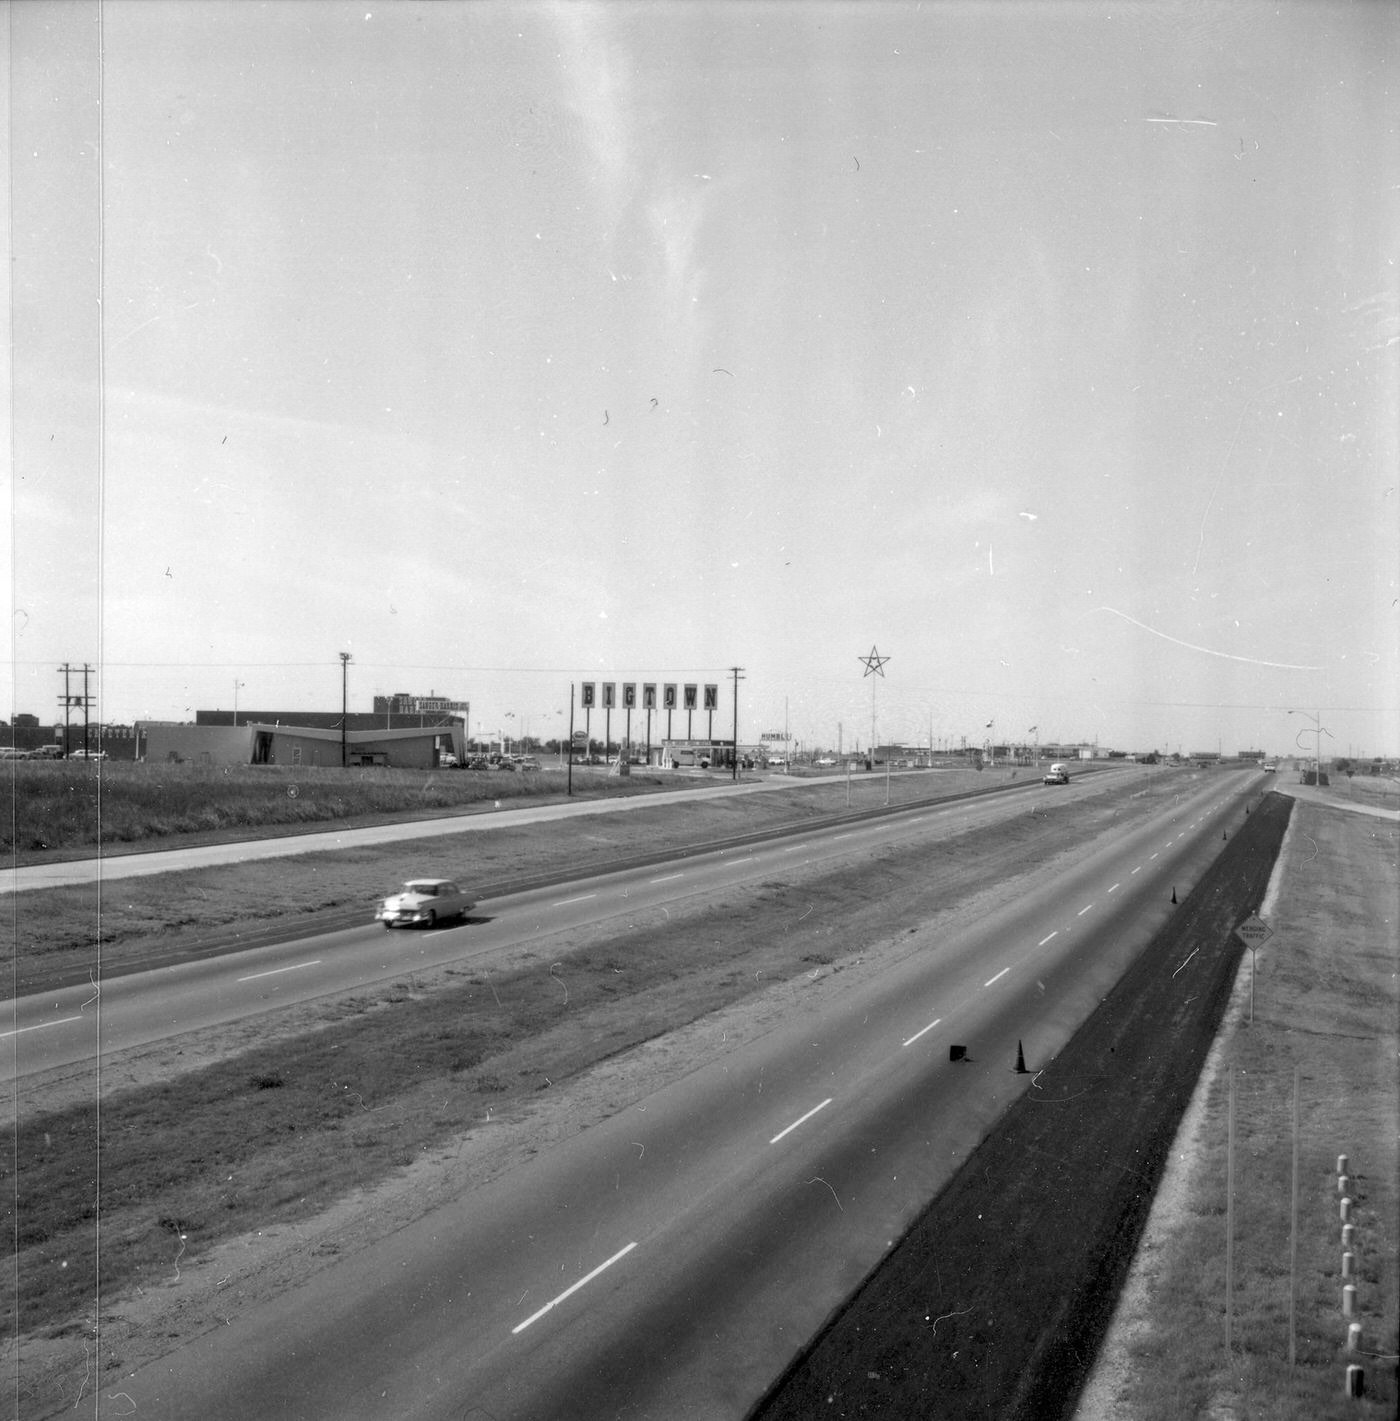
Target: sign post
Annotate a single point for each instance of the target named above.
(1254, 932)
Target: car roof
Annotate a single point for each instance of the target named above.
(426, 882)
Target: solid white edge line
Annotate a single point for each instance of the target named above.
(997, 978)
(921, 1032)
(801, 1121)
(277, 971)
(20, 1030)
(570, 1291)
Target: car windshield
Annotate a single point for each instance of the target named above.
(423, 889)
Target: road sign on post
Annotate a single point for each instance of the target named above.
(1254, 932)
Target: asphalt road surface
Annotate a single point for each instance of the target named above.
(670, 1261)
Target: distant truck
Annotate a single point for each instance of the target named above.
(1056, 775)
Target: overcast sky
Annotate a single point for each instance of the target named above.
(1051, 349)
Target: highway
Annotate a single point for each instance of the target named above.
(669, 1261)
(62, 1027)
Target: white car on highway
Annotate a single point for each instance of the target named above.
(425, 902)
(1058, 775)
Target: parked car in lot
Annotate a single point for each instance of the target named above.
(425, 902)
(1057, 775)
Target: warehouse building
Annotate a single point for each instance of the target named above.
(257, 742)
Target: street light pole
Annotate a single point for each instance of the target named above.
(344, 705)
(1319, 730)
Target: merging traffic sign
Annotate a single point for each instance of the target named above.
(1254, 931)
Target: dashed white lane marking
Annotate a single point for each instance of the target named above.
(1083, 910)
(997, 978)
(582, 898)
(737, 862)
(666, 878)
(849, 835)
(570, 1291)
(1047, 938)
(277, 971)
(1138, 869)
(20, 1030)
(1152, 856)
(802, 1120)
(1114, 889)
(922, 1031)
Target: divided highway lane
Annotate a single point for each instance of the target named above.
(669, 1261)
(61, 1027)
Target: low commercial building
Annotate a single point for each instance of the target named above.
(263, 743)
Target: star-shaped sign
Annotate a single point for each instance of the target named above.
(874, 662)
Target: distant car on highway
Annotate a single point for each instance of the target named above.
(425, 902)
(1057, 775)
(825, 761)
(1270, 769)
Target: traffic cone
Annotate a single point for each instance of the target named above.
(1173, 893)
(1021, 1061)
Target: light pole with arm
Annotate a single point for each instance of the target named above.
(1319, 730)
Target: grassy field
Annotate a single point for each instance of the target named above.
(59, 806)
(1326, 1005)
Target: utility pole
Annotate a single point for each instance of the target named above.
(345, 705)
(67, 701)
(738, 673)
